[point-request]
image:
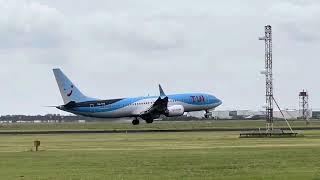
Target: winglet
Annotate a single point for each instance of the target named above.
(162, 94)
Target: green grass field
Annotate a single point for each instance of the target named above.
(156, 125)
(207, 155)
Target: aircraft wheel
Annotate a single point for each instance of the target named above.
(207, 114)
(149, 121)
(135, 122)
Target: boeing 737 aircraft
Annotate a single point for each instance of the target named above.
(147, 108)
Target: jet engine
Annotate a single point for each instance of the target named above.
(176, 110)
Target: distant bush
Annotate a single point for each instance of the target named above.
(47, 117)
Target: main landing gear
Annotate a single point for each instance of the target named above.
(149, 121)
(135, 121)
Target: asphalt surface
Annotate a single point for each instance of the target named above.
(144, 131)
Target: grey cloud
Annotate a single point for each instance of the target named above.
(298, 19)
(125, 48)
(29, 24)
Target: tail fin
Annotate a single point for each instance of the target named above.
(68, 90)
(162, 94)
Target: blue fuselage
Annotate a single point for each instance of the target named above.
(132, 107)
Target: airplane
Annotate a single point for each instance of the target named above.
(147, 108)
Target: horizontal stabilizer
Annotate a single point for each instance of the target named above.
(51, 106)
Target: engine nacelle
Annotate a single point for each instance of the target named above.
(176, 110)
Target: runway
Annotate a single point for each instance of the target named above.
(144, 131)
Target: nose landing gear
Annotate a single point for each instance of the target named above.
(208, 114)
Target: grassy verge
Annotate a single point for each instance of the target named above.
(217, 155)
(155, 125)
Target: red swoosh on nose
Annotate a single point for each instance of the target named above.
(69, 94)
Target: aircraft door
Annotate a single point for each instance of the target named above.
(91, 107)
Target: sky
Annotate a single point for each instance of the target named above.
(123, 48)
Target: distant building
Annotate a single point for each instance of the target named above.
(221, 115)
(316, 114)
(249, 114)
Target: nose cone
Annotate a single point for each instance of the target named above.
(214, 101)
(219, 102)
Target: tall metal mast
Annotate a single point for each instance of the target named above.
(268, 73)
